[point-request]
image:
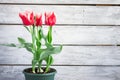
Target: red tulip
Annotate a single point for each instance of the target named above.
(50, 19)
(38, 19)
(27, 18)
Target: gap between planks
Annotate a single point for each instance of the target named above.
(87, 44)
(68, 24)
(62, 65)
(80, 44)
(60, 4)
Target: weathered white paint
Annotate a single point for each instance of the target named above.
(66, 34)
(108, 15)
(70, 55)
(64, 1)
(66, 73)
(74, 35)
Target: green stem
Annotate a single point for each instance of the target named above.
(49, 35)
(33, 69)
(44, 37)
(39, 66)
(32, 31)
(38, 35)
(47, 69)
(38, 31)
(33, 46)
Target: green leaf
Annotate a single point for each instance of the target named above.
(28, 46)
(38, 43)
(46, 52)
(27, 28)
(39, 33)
(49, 60)
(55, 50)
(34, 62)
(21, 40)
(9, 45)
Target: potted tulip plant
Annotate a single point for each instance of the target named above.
(33, 23)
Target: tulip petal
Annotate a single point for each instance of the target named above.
(27, 18)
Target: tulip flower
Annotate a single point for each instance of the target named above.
(41, 45)
(50, 19)
(38, 19)
(27, 18)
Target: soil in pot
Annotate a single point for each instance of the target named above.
(29, 70)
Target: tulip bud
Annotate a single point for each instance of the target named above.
(27, 18)
(50, 19)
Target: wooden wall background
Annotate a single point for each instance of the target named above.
(88, 29)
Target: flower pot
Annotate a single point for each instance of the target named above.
(39, 76)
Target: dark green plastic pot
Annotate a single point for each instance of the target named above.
(46, 76)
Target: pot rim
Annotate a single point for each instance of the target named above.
(51, 73)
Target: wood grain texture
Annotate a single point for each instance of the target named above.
(107, 15)
(76, 35)
(66, 73)
(64, 1)
(70, 55)
(90, 60)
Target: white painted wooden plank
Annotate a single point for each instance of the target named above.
(66, 34)
(64, 1)
(118, 35)
(65, 14)
(70, 55)
(66, 73)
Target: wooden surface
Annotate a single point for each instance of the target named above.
(66, 73)
(64, 1)
(88, 29)
(71, 55)
(98, 15)
(74, 35)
